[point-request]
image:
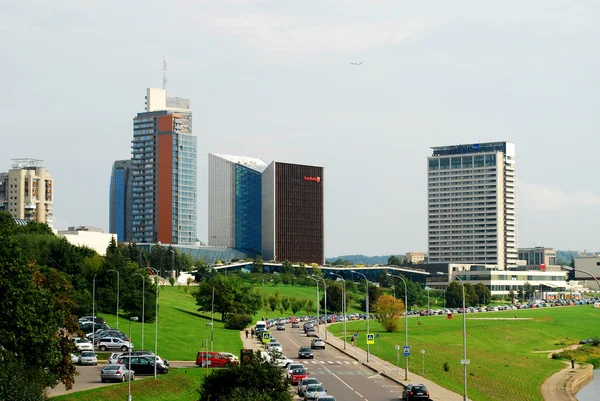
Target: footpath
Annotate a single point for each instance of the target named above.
(562, 386)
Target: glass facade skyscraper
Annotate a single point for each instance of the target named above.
(121, 200)
(234, 203)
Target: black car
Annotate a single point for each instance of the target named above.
(305, 352)
(142, 365)
(415, 392)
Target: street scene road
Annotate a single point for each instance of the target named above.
(342, 376)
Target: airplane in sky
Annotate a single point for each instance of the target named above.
(354, 63)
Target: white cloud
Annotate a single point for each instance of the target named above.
(536, 196)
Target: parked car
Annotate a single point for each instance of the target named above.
(106, 343)
(295, 325)
(317, 343)
(230, 356)
(212, 359)
(305, 352)
(298, 374)
(311, 333)
(325, 398)
(280, 326)
(312, 391)
(88, 358)
(275, 347)
(83, 344)
(89, 327)
(415, 392)
(143, 365)
(292, 366)
(280, 360)
(116, 372)
(305, 382)
(74, 358)
(114, 357)
(96, 319)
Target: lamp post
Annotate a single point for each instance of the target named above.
(325, 288)
(428, 308)
(156, 318)
(143, 303)
(173, 263)
(118, 280)
(206, 339)
(464, 361)
(405, 320)
(94, 311)
(317, 283)
(132, 319)
(343, 303)
(569, 268)
(367, 307)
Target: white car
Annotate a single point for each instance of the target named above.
(291, 367)
(281, 360)
(230, 356)
(88, 358)
(114, 357)
(276, 347)
(74, 358)
(312, 391)
(83, 344)
(106, 343)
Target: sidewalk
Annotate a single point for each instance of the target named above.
(392, 372)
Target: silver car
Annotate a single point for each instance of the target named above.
(317, 343)
(88, 358)
(312, 391)
(304, 383)
(116, 372)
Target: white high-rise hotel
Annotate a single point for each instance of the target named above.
(472, 204)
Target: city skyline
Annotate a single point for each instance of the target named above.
(271, 80)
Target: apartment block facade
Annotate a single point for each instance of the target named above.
(471, 200)
(121, 200)
(538, 256)
(27, 191)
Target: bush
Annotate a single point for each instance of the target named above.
(446, 367)
(237, 321)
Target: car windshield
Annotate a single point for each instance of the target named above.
(296, 366)
(299, 371)
(305, 349)
(87, 353)
(419, 388)
(315, 387)
(308, 381)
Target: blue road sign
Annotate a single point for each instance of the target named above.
(406, 351)
(377, 335)
(355, 334)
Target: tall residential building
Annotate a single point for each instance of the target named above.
(538, 256)
(471, 204)
(164, 187)
(234, 202)
(26, 191)
(292, 213)
(121, 200)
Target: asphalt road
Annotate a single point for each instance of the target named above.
(343, 377)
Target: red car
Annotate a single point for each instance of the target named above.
(212, 359)
(297, 375)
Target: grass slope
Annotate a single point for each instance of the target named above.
(178, 385)
(503, 365)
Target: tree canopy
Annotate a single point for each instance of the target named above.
(232, 295)
(389, 310)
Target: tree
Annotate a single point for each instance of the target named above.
(258, 265)
(297, 305)
(232, 295)
(471, 297)
(309, 305)
(253, 381)
(394, 261)
(374, 294)
(528, 291)
(454, 295)
(285, 303)
(390, 311)
(335, 297)
(287, 268)
(484, 294)
(273, 302)
(384, 279)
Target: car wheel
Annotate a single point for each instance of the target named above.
(132, 377)
(103, 348)
(312, 357)
(103, 380)
(122, 378)
(124, 348)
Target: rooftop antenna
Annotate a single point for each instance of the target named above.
(164, 73)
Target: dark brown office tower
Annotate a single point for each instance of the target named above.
(292, 213)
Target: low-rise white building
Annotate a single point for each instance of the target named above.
(91, 237)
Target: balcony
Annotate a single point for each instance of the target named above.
(30, 206)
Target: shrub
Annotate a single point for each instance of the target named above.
(595, 341)
(237, 321)
(446, 367)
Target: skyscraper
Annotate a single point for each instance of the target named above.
(121, 200)
(292, 213)
(164, 188)
(26, 191)
(234, 202)
(472, 204)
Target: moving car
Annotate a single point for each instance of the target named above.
(281, 326)
(88, 358)
(143, 365)
(212, 359)
(415, 392)
(317, 343)
(116, 372)
(298, 374)
(295, 325)
(312, 391)
(305, 382)
(305, 352)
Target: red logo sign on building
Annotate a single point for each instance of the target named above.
(315, 179)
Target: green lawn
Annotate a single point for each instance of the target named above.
(178, 385)
(503, 365)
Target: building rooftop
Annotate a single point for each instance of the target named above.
(250, 162)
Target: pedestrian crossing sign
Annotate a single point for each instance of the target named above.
(266, 337)
(370, 339)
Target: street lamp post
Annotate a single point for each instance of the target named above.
(156, 318)
(367, 307)
(118, 282)
(206, 339)
(132, 319)
(173, 263)
(582, 271)
(428, 308)
(464, 361)
(94, 310)
(405, 320)
(143, 303)
(325, 289)
(317, 283)
(343, 303)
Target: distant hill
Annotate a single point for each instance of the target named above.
(564, 257)
(363, 259)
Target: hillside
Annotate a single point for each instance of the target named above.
(363, 259)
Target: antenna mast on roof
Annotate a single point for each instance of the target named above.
(164, 73)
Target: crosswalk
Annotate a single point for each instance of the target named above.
(313, 362)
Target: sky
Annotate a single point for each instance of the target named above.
(272, 79)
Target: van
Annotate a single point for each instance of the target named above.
(260, 326)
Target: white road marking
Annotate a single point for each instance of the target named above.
(370, 377)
